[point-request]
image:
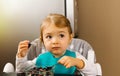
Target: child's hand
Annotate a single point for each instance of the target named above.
(22, 48)
(68, 62)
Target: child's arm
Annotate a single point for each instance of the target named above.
(68, 61)
(22, 64)
(81, 63)
(89, 68)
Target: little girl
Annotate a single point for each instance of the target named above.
(56, 35)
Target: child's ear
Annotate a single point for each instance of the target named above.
(41, 39)
(71, 37)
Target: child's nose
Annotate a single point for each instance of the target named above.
(55, 40)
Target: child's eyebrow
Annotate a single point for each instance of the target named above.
(47, 34)
(62, 32)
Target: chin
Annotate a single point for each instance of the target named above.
(56, 53)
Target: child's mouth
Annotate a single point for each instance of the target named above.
(56, 48)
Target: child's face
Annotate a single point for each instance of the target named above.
(56, 40)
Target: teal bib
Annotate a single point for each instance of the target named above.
(48, 60)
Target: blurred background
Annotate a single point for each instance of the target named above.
(96, 21)
(20, 20)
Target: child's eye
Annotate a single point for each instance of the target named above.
(62, 35)
(49, 37)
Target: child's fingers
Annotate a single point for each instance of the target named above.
(23, 46)
(68, 66)
(61, 61)
(65, 63)
(24, 42)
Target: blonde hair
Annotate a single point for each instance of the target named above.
(58, 20)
